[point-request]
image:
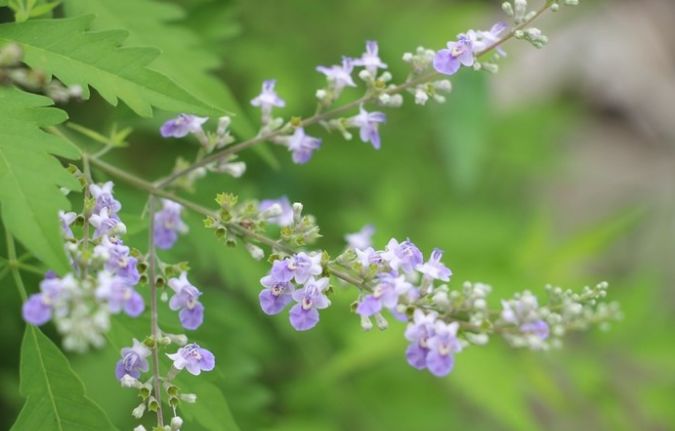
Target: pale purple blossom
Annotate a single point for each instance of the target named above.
(404, 255)
(281, 272)
(339, 76)
(285, 218)
(460, 53)
(302, 146)
(385, 294)
(368, 124)
(268, 98)
(182, 125)
(102, 194)
(118, 259)
(538, 328)
(367, 256)
(40, 307)
(186, 299)
(275, 296)
(168, 224)
(434, 268)
(305, 266)
(37, 310)
(418, 332)
(310, 299)
(362, 239)
(370, 59)
(442, 347)
(482, 40)
(193, 358)
(119, 295)
(66, 219)
(134, 361)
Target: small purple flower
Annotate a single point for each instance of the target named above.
(186, 299)
(362, 239)
(302, 146)
(458, 54)
(281, 272)
(37, 310)
(305, 315)
(482, 40)
(134, 361)
(168, 224)
(385, 295)
(418, 332)
(119, 295)
(106, 224)
(405, 255)
(268, 98)
(305, 266)
(368, 124)
(367, 257)
(370, 59)
(117, 259)
(194, 359)
(538, 328)
(442, 347)
(182, 125)
(103, 196)
(434, 268)
(339, 76)
(275, 296)
(67, 218)
(286, 216)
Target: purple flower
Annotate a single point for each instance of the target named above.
(418, 333)
(361, 239)
(368, 123)
(442, 347)
(133, 361)
(194, 359)
(180, 126)
(286, 216)
(67, 218)
(168, 224)
(268, 98)
(117, 259)
(302, 146)
(385, 295)
(458, 54)
(119, 295)
(339, 76)
(275, 296)
(538, 328)
(405, 255)
(367, 257)
(186, 299)
(370, 59)
(305, 315)
(281, 272)
(305, 266)
(102, 194)
(434, 268)
(482, 40)
(37, 310)
(106, 224)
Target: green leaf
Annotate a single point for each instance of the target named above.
(55, 396)
(30, 176)
(211, 409)
(64, 48)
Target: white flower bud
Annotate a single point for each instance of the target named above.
(507, 8)
(130, 382)
(441, 299)
(555, 7)
(443, 85)
(384, 98)
(572, 2)
(179, 339)
(366, 323)
(321, 94)
(189, 398)
(385, 77)
(297, 212)
(138, 411)
(519, 8)
(421, 96)
(273, 210)
(395, 100)
(256, 252)
(223, 124)
(408, 57)
(478, 339)
(381, 322)
(140, 428)
(365, 75)
(176, 423)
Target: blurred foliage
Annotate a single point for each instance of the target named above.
(462, 176)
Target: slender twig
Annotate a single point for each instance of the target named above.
(11, 254)
(322, 116)
(154, 316)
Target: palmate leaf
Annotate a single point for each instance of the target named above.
(30, 176)
(56, 399)
(183, 59)
(64, 48)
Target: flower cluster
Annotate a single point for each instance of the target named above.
(103, 280)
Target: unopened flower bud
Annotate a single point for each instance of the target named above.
(381, 322)
(138, 411)
(189, 398)
(140, 428)
(256, 252)
(236, 169)
(130, 382)
(223, 124)
(478, 339)
(176, 423)
(365, 75)
(179, 339)
(366, 323)
(274, 210)
(297, 212)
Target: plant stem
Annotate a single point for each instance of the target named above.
(11, 254)
(154, 315)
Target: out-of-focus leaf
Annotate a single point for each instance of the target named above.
(56, 398)
(30, 175)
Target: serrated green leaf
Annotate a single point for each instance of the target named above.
(55, 396)
(30, 176)
(64, 48)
